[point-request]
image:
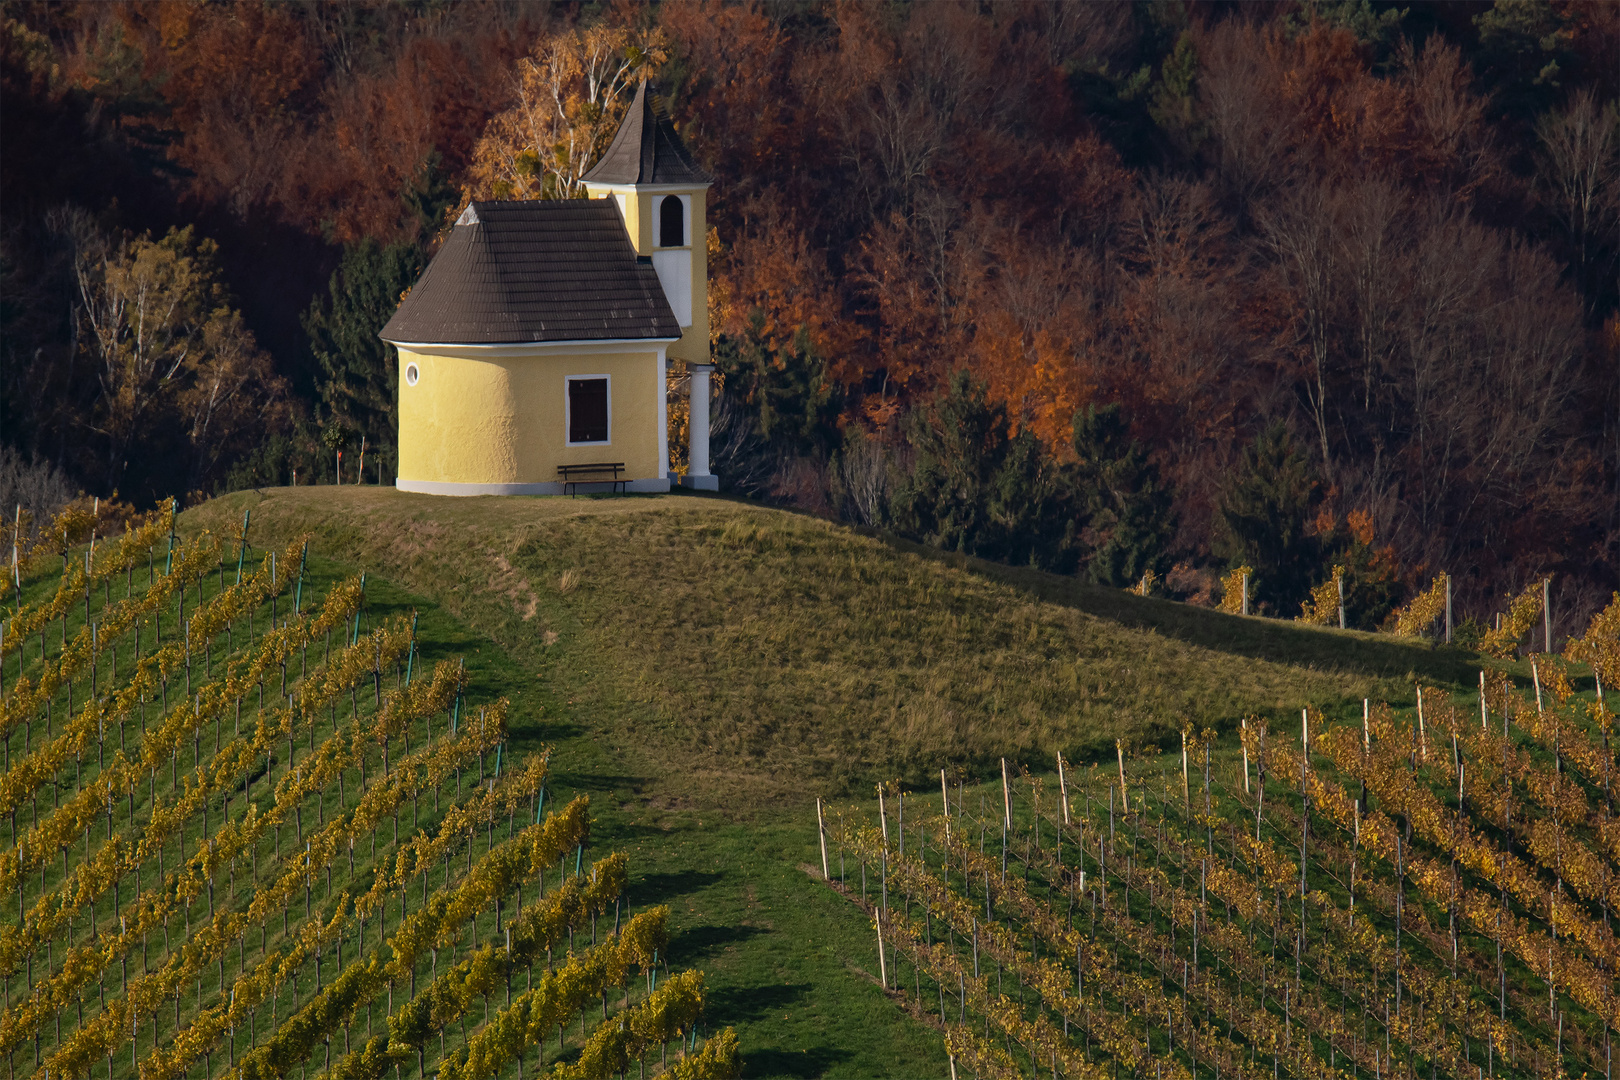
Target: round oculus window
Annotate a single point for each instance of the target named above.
(411, 374)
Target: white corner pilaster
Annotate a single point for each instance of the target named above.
(697, 429)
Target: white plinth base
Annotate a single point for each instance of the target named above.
(701, 483)
(653, 485)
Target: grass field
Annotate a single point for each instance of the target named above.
(704, 668)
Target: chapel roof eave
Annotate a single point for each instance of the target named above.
(513, 348)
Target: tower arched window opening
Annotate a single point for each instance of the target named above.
(671, 222)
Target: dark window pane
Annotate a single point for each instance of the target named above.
(587, 410)
(671, 222)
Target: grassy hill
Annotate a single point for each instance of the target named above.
(705, 667)
(732, 655)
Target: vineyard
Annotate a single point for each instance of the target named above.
(249, 834)
(1419, 893)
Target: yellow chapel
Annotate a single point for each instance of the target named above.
(533, 350)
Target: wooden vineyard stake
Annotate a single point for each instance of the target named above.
(1006, 796)
(1244, 738)
(945, 801)
(1063, 789)
(821, 831)
(16, 572)
(1546, 613)
(1482, 710)
(1535, 675)
(883, 965)
(1423, 737)
(1366, 735)
(1448, 609)
(1186, 798)
(1119, 748)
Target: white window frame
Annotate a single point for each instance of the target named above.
(568, 409)
(686, 220)
(411, 366)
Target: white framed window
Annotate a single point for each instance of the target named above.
(588, 410)
(411, 374)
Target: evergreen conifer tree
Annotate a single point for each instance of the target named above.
(1263, 516)
(785, 389)
(981, 490)
(360, 383)
(1130, 523)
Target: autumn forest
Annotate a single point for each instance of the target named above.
(1134, 290)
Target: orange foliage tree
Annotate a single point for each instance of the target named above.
(572, 91)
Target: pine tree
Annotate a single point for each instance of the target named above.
(361, 372)
(1130, 523)
(981, 490)
(786, 390)
(1263, 515)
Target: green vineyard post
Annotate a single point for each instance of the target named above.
(883, 870)
(168, 562)
(298, 590)
(410, 655)
(354, 638)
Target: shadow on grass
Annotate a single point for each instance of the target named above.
(731, 1004)
(530, 737)
(575, 780)
(1257, 638)
(811, 1061)
(699, 941)
(655, 887)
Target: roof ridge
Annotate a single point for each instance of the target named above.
(481, 238)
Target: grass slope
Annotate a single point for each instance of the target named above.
(704, 667)
(750, 653)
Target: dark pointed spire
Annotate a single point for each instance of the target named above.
(647, 149)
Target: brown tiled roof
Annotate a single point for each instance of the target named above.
(513, 272)
(647, 150)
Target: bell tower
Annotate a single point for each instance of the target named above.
(662, 194)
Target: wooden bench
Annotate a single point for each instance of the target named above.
(572, 475)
